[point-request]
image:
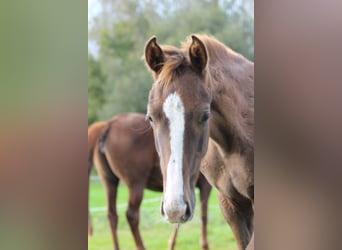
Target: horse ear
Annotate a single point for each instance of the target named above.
(154, 55)
(198, 54)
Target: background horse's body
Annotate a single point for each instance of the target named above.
(206, 79)
(124, 150)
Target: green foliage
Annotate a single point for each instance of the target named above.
(119, 79)
(96, 96)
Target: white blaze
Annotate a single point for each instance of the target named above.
(174, 111)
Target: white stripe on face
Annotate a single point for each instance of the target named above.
(174, 111)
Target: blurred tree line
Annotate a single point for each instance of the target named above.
(117, 78)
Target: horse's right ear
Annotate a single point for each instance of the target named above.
(198, 54)
(154, 55)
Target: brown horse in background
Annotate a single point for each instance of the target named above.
(204, 89)
(123, 149)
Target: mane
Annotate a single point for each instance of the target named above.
(174, 60)
(217, 51)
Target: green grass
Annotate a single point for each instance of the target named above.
(154, 229)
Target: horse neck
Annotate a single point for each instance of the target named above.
(232, 108)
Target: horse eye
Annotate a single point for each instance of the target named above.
(204, 117)
(149, 118)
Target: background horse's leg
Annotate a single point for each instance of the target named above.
(90, 228)
(240, 220)
(111, 186)
(205, 189)
(172, 240)
(132, 213)
(110, 183)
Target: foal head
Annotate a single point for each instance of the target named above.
(179, 110)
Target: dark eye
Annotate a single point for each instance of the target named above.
(149, 118)
(204, 117)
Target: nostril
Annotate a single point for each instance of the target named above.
(187, 214)
(187, 211)
(162, 208)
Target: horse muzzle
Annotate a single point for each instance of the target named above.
(176, 211)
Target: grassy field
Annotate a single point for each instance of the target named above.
(154, 229)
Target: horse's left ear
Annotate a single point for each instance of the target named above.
(198, 54)
(154, 56)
